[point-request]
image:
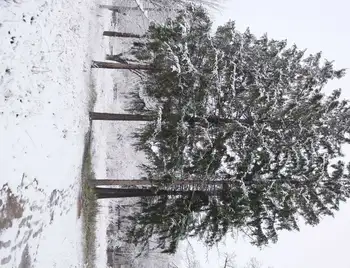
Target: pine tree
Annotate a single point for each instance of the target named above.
(167, 219)
(279, 148)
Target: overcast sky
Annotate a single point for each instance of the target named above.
(317, 25)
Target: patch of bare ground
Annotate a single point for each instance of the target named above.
(11, 207)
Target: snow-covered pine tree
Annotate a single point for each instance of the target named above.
(278, 154)
(166, 219)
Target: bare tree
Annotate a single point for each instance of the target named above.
(253, 263)
(190, 257)
(229, 261)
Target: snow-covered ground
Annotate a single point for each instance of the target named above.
(46, 48)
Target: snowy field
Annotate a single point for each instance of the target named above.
(46, 47)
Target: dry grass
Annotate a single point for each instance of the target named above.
(88, 206)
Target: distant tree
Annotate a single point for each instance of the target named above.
(280, 151)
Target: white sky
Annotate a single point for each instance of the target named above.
(318, 26)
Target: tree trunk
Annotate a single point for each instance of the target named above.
(121, 34)
(124, 193)
(121, 66)
(143, 117)
(119, 182)
(107, 182)
(122, 117)
(120, 9)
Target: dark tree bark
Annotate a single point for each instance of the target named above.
(107, 182)
(122, 117)
(102, 193)
(121, 34)
(143, 117)
(121, 66)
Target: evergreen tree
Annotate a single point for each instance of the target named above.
(277, 152)
(167, 219)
